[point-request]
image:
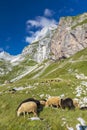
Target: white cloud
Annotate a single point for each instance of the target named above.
(48, 12)
(32, 23)
(29, 39)
(40, 22)
(33, 37)
(31, 32)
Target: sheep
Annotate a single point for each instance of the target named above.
(76, 103)
(27, 107)
(30, 99)
(43, 102)
(53, 101)
(67, 103)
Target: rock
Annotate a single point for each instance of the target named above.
(70, 37)
(35, 118)
(39, 50)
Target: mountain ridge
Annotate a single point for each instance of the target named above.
(55, 44)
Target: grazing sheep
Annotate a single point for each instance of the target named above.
(67, 103)
(27, 107)
(53, 101)
(30, 99)
(43, 102)
(76, 103)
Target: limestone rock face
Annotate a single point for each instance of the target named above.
(70, 36)
(39, 50)
(54, 42)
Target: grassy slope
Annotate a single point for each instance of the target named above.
(4, 69)
(53, 118)
(79, 24)
(16, 70)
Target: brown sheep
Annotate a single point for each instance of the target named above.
(29, 100)
(76, 103)
(27, 107)
(43, 102)
(53, 101)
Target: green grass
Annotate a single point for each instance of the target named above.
(55, 80)
(52, 117)
(81, 55)
(28, 62)
(79, 24)
(17, 70)
(75, 18)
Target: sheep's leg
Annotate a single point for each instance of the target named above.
(27, 113)
(24, 114)
(35, 113)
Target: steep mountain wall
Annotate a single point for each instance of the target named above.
(39, 50)
(55, 42)
(70, 37)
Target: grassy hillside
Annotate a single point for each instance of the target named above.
(58, 78)
(15, 70)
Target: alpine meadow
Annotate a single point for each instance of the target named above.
(53, 65)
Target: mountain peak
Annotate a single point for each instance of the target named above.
(6, 56)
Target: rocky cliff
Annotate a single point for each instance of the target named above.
(70, 37)
(39, 49)
(55, 42)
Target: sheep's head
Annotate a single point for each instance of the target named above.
(43, 102)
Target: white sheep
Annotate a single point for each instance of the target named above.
(27, 107)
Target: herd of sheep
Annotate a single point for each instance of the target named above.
(32, 105)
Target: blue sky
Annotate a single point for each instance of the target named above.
(20, 20)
